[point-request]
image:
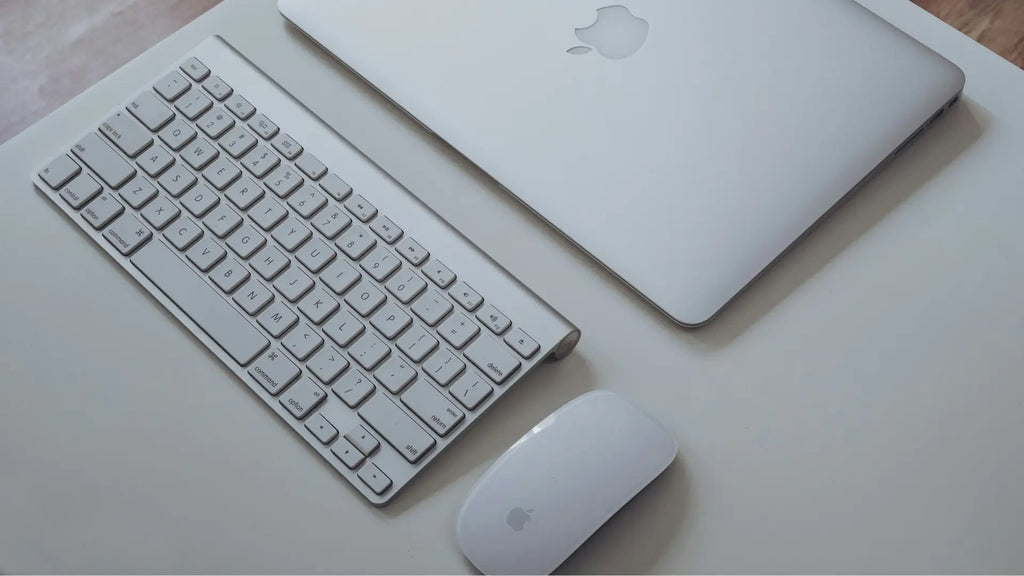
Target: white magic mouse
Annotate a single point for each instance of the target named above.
(560, 482)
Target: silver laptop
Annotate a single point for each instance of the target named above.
(684, 145)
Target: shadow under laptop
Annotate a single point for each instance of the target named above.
(919, 162)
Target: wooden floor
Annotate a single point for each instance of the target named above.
(996, 24)
(50, 50)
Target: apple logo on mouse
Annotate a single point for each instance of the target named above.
(616, 34)
(517, 518)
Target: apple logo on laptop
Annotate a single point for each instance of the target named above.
(616, 33)
(517, 518)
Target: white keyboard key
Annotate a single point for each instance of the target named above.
(260, 161)
(195, 69)
(293, 284)
(412, 251)
(221, 173)
(59, 171)
(406, 285)
(287, 146)
(302, 398)
(365, 298)
(356, 242)
(268, 213)
(269, 263)
(432, 407)
(193, 104)
(311, 166)
(229, 275)
(494, 319)
(240, 107)
(277, 319)
(171, 86)
(198, 301)
(318, 306)
(183, 234)
(205, 254)
(431, 307)
(336, 187)
(200, 200)
(314, 255)
(263, 126)
(466, 296)
(369, 350)
(344, 328)
(380, 264)
(361, 208)
(138, 192)
(443, 366)
(353, 388)
(244, 193)
(439, 274)
(458, 329)
(199, 153)
(417, 343)
(253, 297)
(386, 229)
(522, 343)
(217, 88)
(331, 221)
(322, 429)
(246, 241)
(373, 477)
(222, 220)
(390, 320)
(177, 134)
(291, 234)
(80, 191)
(127, 234)
(397, 428)
(361, 438)
(274, 371)
(471, 390)
(177, 180)
(349, 455)
(307, 201)
(160, 212)
(155, 160)
(302, 342)
(149, 110)
(327, 364)
(493, 358)
(283, 181)
(126, 134)
(102, 210)
(101, 158)
(395, 374)
(340, 276)
(237, 142)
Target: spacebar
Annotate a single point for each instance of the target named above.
(197, 299)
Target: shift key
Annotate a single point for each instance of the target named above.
(102, 159)
(396, 427)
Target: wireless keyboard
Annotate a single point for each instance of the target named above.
(372, 327)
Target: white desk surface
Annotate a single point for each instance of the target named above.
(858, 409)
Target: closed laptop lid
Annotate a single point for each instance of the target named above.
(684, 145)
